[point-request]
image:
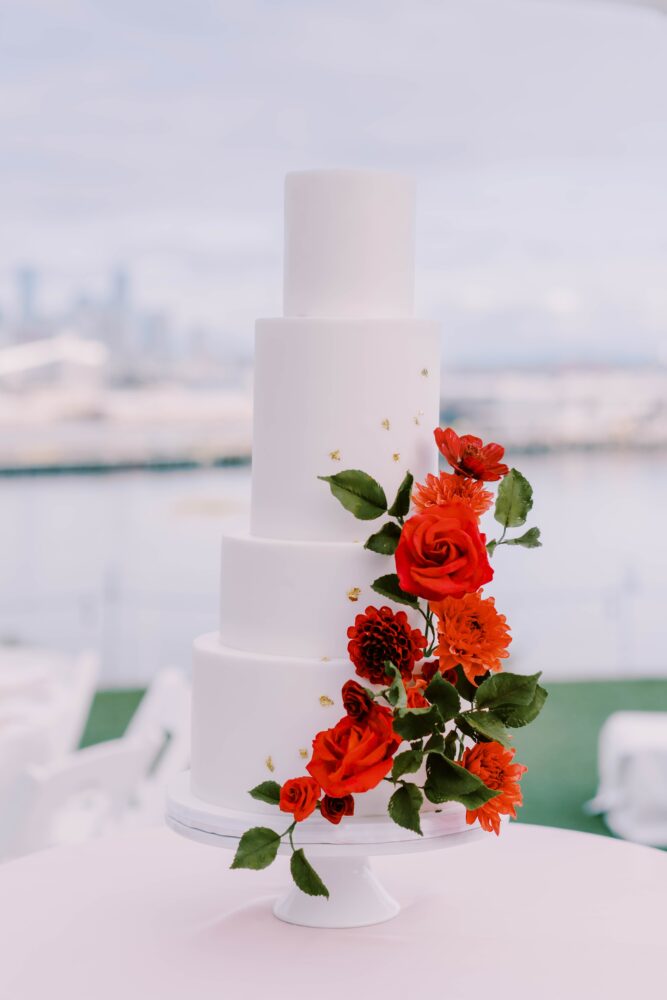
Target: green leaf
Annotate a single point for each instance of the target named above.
(268, 791)
(401, 504)
(443, 694)
(404, 806)
(435, 744)
(395, 693)
(257, 848)
(491, 546)
(449, 782)
(359, 493)
(488, 725)
(385, 540)
(463, 685)
(450, 744)
(506, 689)
(514, 501)
(478, 798)
(413, 723)
(305, 875)
(530, 539)
(388, 586)
(406, 763)
(516, 716)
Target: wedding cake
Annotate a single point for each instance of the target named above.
(347, 378)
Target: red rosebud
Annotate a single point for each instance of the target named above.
(356, 700)
(334, 809)
(299, 796)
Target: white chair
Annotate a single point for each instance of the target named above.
(632, 767)
(165, 708)
(77, 797)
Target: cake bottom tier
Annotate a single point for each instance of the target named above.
(254, 718)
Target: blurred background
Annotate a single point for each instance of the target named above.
(144, 146)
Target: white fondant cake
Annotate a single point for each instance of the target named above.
(347, 379)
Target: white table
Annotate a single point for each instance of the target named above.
(539, 914)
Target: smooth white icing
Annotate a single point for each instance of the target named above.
(360, 390)
(297, 598)
(349, 244)
(326, 387)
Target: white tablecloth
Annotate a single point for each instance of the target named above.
(539, 914)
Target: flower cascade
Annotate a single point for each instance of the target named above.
(435, 715)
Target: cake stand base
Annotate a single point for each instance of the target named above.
(356, 897)
(340, 854)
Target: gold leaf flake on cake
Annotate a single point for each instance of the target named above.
(420, 414)
(354, 594)
(386, 424)
(303, 753)
(325, 659)
(325, 701)
(425, 372)
(270, 765)
(396, 456)
(335, 455)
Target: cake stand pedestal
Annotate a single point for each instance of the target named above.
(342, 853)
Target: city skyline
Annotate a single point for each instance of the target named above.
(159, 135)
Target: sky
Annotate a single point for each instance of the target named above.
(155, 134)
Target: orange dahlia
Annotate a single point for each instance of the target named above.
(471, 633)
(448, 487)
(493, 764)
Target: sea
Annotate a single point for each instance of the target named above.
(128, 564)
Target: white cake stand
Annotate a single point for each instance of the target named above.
(356, 898)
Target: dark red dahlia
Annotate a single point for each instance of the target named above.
(380, 635)
(469, 456)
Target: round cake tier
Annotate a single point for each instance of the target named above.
(294, 598)
(254, 718)
(333, 395)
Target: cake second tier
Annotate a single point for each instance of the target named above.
(333, 395)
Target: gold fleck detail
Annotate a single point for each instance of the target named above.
(425, 372)
(386, 424)
(270, 765)
(303, 754)
(325, 659)
(335, 455)
(325, 701)
(420, 414)
(354, 594)
(396, 456)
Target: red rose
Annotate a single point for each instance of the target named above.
(354, 756)
(334, 809)
(380, 635)
(299, 796)
(469, 456)
(441, 553)
(356, 700)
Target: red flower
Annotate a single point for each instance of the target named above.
(334, 809)
(441, 553)
(415, 693)
(381, 635)
(469, 456)
(299, 796)
(354, 756)
(493, 764)
(356, 700)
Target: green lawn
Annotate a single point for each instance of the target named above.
(560, 749)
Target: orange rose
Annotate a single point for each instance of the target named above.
(355, 755)
(299, 796)
(334, 809)
(441, 553)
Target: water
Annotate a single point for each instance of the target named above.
(129, 564)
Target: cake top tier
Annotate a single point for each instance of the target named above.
(349, 244)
